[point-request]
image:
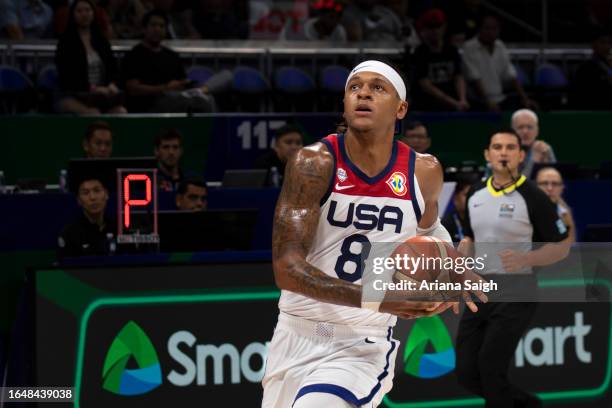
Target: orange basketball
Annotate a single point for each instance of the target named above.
(421, 258)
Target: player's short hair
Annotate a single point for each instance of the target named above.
(97, 125)
(288, 128)
(155, 13)
(168, 134)
(508, 131)
(194, 181)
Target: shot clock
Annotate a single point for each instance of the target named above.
(137, 206)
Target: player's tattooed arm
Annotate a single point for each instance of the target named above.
(307, 179)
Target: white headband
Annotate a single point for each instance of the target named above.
(383, 69)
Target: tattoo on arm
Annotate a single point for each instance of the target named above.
(295, 224)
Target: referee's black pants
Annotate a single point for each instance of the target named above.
(486, 342)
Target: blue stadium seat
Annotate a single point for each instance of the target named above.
(550, 76)
(16, 91)
(48, 78)
(293, 80)
(199, 74)
(522, 76)
(13, 80)
(249, 80)
(332, 78)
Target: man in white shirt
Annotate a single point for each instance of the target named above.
(488, 67)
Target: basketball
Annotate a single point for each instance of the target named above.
(422, 258)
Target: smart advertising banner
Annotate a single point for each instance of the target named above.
(192, 335)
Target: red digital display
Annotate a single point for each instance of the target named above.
(129, 202)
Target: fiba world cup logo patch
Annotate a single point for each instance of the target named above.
(342, 176)
(397, 183)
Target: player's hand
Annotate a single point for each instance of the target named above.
(513, 261)
(464, 295)
(413, 304)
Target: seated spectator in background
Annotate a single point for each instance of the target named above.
(367, 20)
(192, 195)
(180, 17)
(287, 141)
(525, 124)
(156, 80)
(62, 14)
(549, 179)
(324, 25)
(438, 81)
(98, 141)
(488, 68)
(592, 85)
(168, 151)
(417, 137)
(86, 66)
(454, 221)
(125, 17)
(93, 233)
(464, 22)
(25, 19)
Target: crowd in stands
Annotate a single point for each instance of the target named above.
(455, 58)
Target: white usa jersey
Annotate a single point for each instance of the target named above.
(356, 211)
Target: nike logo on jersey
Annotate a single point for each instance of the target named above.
(477, 205)
(369, 341)
(339, 187)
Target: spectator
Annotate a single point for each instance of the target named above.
(192, 195)
(488, 66)
(324, 25)
(438, 80)
(525, 124)
(98, 141)
(155, 77)
(93, 232)
(417, 137)
(592, 86)
(21, 19)
(168, 151)
(455, 221)
(287, 141)
(464, 22)
(365, 20)
(86, 66)
(62, 15)
(125, 17)
(549, 179)
(180, 17)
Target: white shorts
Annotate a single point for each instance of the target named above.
(353, 363)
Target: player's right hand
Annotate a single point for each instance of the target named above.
(411, 309)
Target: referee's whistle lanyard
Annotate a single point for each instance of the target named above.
(458, 225)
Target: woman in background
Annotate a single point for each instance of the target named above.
(86, 66)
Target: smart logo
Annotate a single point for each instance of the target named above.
(131, 343)
(417, 362)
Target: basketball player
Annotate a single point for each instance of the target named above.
(339, 196)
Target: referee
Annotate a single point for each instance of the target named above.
(505, 209)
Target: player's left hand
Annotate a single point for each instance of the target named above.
(513, 261)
